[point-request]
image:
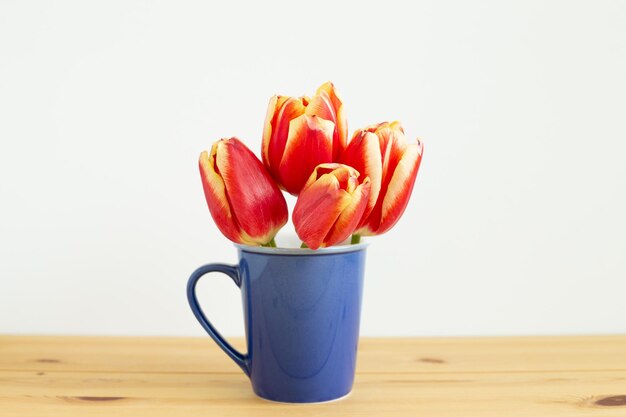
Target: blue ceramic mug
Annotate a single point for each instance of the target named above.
(302, 311)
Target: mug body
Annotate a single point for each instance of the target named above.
(302, 313)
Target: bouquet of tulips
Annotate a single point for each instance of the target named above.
(344, 188)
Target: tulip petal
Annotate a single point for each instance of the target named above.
(275, 103)
(341, 120)
(318, 208)
(392, 147)
(363, 154)
(308, 145)
(327, 105)
(349, 218)
(215, 194)
(257, 204)
(400, 187)
(280, 111)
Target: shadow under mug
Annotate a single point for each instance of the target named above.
(302, 313)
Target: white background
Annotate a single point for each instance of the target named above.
(517, 221)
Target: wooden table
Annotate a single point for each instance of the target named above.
(504, 377)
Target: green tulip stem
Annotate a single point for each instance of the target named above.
(356, 238)
(270, 244)
(303, 246)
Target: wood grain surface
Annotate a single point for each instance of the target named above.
(132, 376)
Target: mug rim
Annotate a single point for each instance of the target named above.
(302, 251)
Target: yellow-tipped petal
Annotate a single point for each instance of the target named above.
(274, 104)
(327, 104)
(400, 187)
(215, 194)
(281, 110)
(363, 153)
(308, 145)
(349, 218)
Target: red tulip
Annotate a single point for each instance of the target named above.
(245, 203)
(301, 133)
(330, 205)
(392, 166)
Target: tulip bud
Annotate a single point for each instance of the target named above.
(301, 133)
(245, 203)
(330, 205)
(392, 166)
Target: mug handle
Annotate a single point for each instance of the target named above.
(233, 272)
